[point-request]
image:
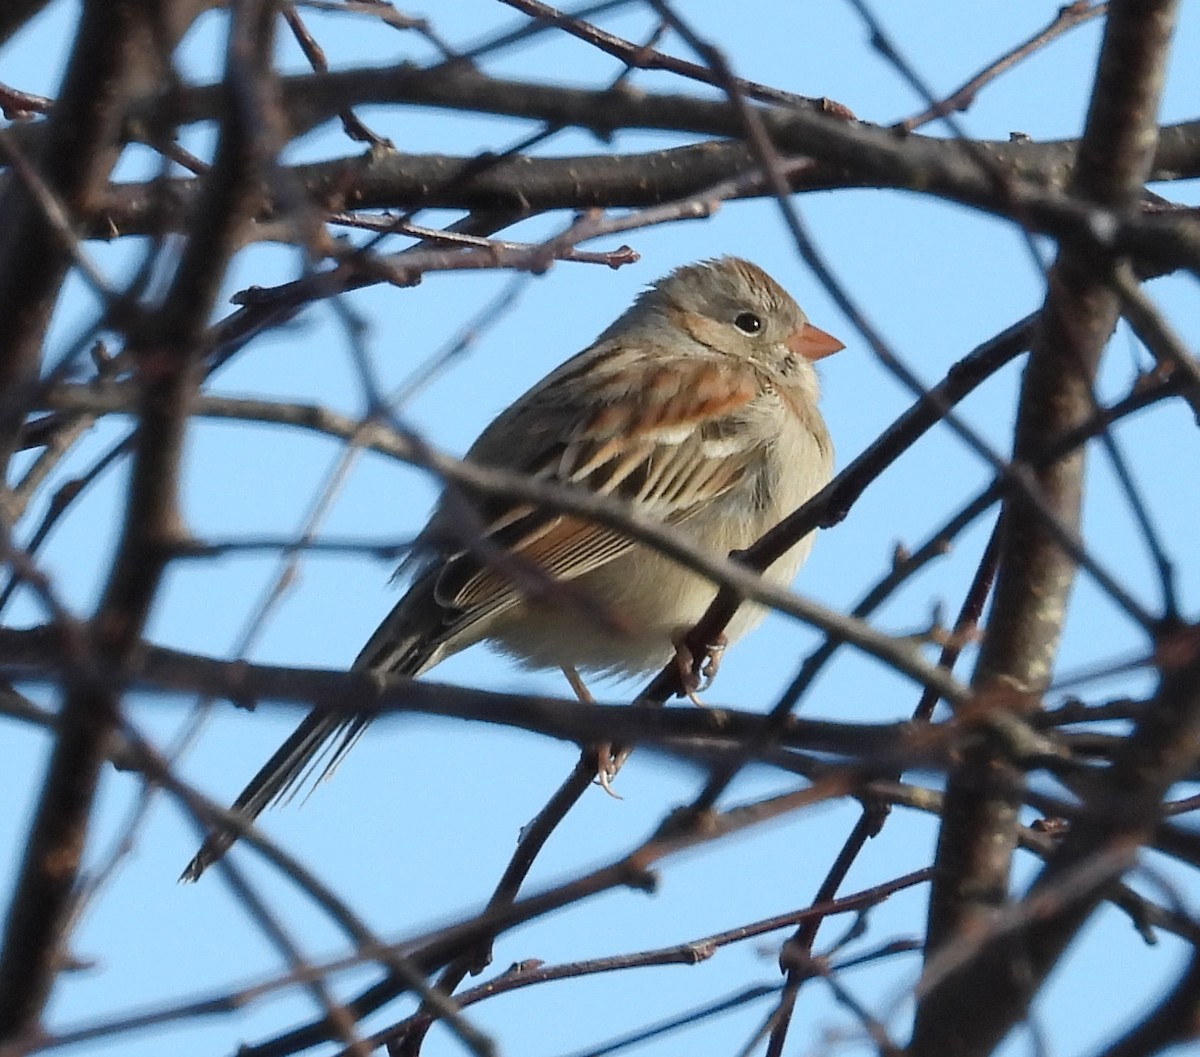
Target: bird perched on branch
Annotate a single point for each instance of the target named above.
(697, 406)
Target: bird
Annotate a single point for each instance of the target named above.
(697, 406)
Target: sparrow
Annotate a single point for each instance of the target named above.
(697, 406)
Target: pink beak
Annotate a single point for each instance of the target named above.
(813, 343)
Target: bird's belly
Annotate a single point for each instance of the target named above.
(622, 618)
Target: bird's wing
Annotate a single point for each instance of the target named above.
(669, 445)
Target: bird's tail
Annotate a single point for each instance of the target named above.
(322, 740)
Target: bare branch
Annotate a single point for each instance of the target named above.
(168, 351)
(969, 1011)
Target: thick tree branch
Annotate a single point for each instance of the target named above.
(115, 56)
(1018, 179)
(968, 1011)
(37, 654)
(168, 352)
(312, 99)
(399, 181)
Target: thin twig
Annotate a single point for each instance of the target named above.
(1067, 18)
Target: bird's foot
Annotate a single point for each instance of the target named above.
(606, 770)
(697, 672)
(607, 764)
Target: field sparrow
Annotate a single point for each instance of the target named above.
(698, 405)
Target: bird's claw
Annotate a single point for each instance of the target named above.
(606, 771)
(696, 674)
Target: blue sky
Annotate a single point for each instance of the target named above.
(421, 818)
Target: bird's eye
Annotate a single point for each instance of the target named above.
(748, 323)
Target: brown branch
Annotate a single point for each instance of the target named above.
(37, 654)
(639, 56)
(1067, 18)
(838, 157)
(353, 127)
(245, 680)
(969, 1011)
(534, 836)
(630, 871)
(843, 153)
(690, 952)
(315, 98)
(17, 105)
(312, 99)
(53, 214)
(115, 54)
(167, 351)
(521, 976)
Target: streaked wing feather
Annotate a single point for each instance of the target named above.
(668, 447)
(562, 548)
